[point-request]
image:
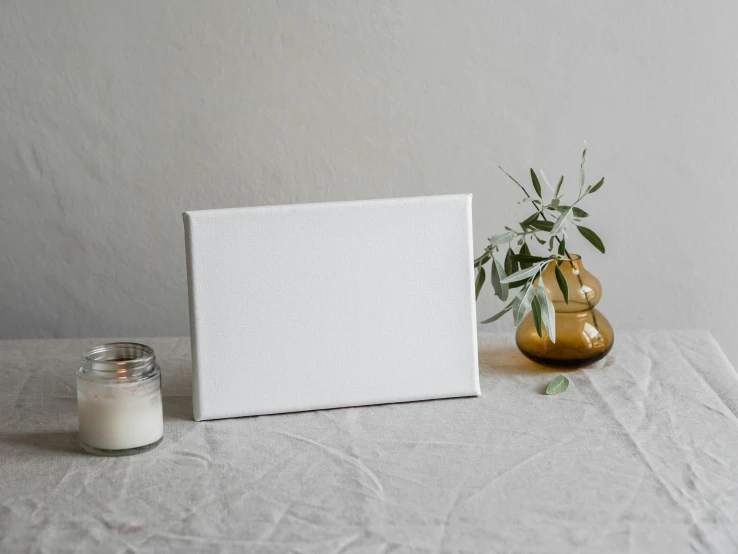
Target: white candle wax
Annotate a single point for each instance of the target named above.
(119, 416)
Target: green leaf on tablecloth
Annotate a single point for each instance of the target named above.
(558, 385)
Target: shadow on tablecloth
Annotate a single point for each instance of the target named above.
(510, 360)
(53, 441)
(178, 407)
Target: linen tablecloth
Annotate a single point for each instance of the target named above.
(640, 454)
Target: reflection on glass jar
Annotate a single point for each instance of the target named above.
(119, 399)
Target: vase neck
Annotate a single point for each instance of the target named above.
(573, 263)
(584, 289)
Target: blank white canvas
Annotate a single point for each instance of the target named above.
(315, 306)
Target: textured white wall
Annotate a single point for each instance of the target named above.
(117, 116)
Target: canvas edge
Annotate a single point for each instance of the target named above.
(473, 310)
(331, 204)
(196, 408)
(323, 407)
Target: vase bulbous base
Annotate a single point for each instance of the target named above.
(582, 338)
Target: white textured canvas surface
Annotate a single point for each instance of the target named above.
(328, 305)
(639, 455)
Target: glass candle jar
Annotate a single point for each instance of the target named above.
(119, 399)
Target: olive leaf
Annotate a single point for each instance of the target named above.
(597, 186)
(592, 237)
(483, 259)
(514, 267)
(522, 274)
(536, 184)
(562, 247)
(562, 222)
(581, 169)
(563, 285)
(495, 279)
(499, 314)
(498, 273)
(558, 385)
(578, 212)
(558, 187)
(536, 309)
(545, 180)
(526, 222)
(542, 225)
(548, 314)
(504, 238)
(522, 303)
(510, 266)
(528, 259)
(524, 250)
(479, 282)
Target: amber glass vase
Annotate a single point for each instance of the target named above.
(583, 334)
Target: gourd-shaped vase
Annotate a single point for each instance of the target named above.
(583, 334)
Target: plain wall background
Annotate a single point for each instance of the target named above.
(117, 116)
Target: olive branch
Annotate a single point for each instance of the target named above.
(521, 269)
